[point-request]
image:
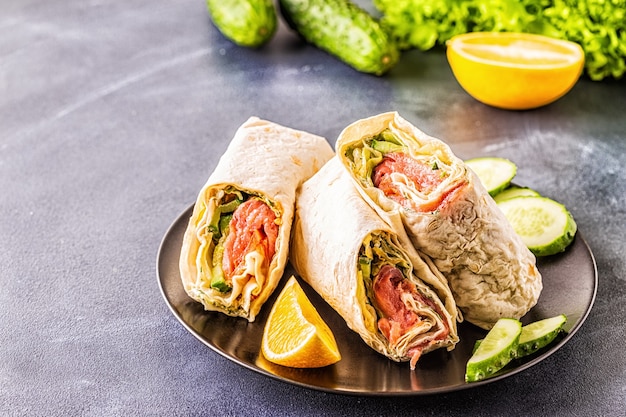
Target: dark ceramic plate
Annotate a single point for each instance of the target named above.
(570, 283)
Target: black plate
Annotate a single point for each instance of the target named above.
(570, 282)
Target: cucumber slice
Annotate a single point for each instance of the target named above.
(545, 226)
(497, 349)
(536, 335)
(495, 173)
(515, 191)
(386, 147)
(539, 334)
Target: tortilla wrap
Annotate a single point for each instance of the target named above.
(336, 238)
(415, 180)
(233, 265)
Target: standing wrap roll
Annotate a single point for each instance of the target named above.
(413, 179)
(236, 244)
(388, 294)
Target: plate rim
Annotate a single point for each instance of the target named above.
(364, 393)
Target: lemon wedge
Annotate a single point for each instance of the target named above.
(295, 335)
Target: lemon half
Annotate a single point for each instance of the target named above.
(514, 71)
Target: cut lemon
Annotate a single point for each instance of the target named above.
(514, 71)
(295, 335)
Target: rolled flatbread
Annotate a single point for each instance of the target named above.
(386, 293)
(415, 180)
(236, 244)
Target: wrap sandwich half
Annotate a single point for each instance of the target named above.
(389, 295)
(236, 243)
(413, 179)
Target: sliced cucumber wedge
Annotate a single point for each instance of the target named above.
(539, 334)
(536, 335)
(497, 349)
(495, 173)
(545, 226)
(515, 191)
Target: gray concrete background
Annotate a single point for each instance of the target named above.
(112, 116)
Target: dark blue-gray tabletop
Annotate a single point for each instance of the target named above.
(112, 116)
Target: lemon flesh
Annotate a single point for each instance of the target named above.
(295, 335)
(514, 71)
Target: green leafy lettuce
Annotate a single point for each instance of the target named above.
(599, 26)
(378, 250)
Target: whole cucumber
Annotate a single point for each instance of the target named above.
(344, 30)
(250, 23)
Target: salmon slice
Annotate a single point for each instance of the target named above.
(424, 178)
(253, 227)
(389, 285)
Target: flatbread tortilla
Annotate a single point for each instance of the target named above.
(446, 212)
(334, 231)
(264, 162)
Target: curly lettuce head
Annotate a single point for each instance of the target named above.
(599, 26)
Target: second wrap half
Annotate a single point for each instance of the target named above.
(368, 272)
(415, 180)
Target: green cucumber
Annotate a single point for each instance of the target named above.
(535, 335)
(494, 173)
(495, 351)
(250, 23)
(344, 30)
(515, 191)
(388, 136)
(545, 226)
(221, 217)
(224, 224)
(218, 279)
(365, 264)
(231, 206)
(539, 334)
(386, 147)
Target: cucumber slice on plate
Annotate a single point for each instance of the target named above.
(497, 349)
(545, 226)
(494, 173)
(536, 335)
(515, 191)
(539, 334)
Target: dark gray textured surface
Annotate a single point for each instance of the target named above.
(112, 115)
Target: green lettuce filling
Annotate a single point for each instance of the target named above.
(364, 156)
(377, 251)
(223, 212)
(599, 26)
